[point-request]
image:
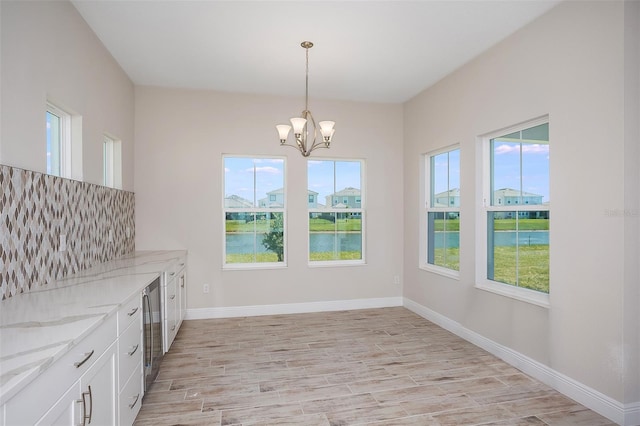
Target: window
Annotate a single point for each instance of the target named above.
(515, 216)
(58, 141)
(442, 215)
(336, 227)
(112, 162)
(254, 212)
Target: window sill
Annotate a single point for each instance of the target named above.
(252, 266)
(521, 294)
(445, 272)
(336, 263)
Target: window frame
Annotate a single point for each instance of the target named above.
(111, 162)
(426, 178)
(331, 209)
(484, 207)
(255, 210)
(64, 144)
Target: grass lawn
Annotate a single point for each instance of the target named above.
(498, 224)
(533, 263)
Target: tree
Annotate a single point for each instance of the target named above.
(274, 240)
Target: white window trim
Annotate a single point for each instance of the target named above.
(330, 209)
(484, 206)
(65, 138)
(425, 192)
(112, 162)
(257, 265)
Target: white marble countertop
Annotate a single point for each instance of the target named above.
(39, 327)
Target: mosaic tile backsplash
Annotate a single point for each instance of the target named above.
(36, 209)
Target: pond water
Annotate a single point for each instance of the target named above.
(242, 242)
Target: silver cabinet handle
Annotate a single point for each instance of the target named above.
(172, 274)
(133, 311)
(135, 348)
(182, 264)
(86, 358)
(86, 417)
(133, 404)
(173, 296)
(173, 328)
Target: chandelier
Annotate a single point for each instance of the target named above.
(302, 125)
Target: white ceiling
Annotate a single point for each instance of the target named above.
(380, 51)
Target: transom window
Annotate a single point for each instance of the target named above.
(58, 138)
(336, 217)
(254, 212)
(515, 214)
(112, 162)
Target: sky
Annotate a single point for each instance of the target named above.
(510, 168)
(244, 174)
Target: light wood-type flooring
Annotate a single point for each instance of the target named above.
(364, 367)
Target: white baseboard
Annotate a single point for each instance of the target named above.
(622, 414)
(292, 308)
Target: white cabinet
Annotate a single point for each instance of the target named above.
(174, 298)
(130, 348)
(98, 386)
(64, 412)
(52, 396)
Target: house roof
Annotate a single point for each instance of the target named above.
(236, 201)
(509, 192)
(349, 191)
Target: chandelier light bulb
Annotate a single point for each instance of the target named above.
(283, 131)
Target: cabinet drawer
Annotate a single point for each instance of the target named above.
(131, 397)
(130, 350)
(41, 394)
(129, 312)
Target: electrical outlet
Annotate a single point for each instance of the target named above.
(63, 243)
(128, 232)
(205, 288)
(396, 279)
(110, 235)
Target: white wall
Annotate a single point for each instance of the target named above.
(180, 138)
(569, 64)
(48, 52)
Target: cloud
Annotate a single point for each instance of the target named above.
(527, 148)
(226, 169)
(265, 169)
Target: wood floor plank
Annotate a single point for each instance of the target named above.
(382, 367)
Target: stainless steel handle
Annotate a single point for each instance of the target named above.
(173, 328)
(86, 358)
(133, 404)
(135, 348)
(182, 264)
(172, 274)
(86, 417)
(147, 351)
(173, 296)
(133, 311)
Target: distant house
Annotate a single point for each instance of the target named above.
(237, 202)
(348, 198)
(275, 199)
(449, 198)
(508, 197)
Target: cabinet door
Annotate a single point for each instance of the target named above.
(66, 411)
(182, 296)
(170, 310)
(99, 391)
